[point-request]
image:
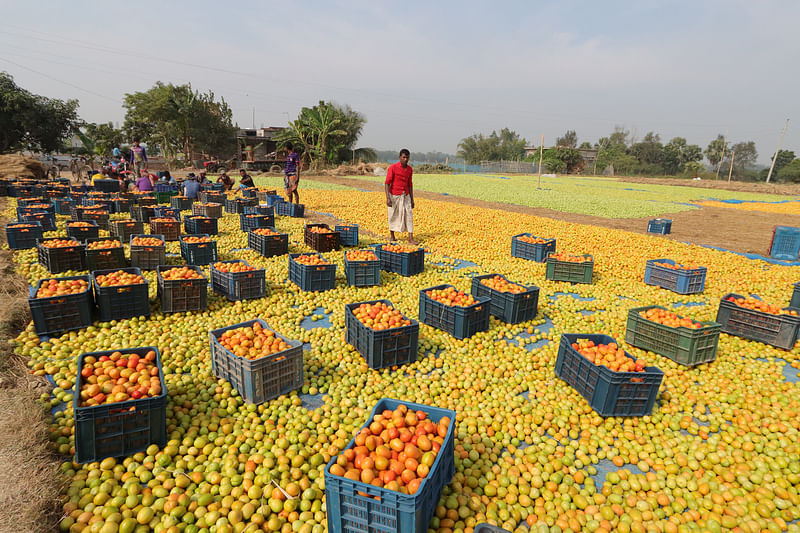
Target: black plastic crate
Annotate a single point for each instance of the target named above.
(77, 211)
(142, 213)
(268, 245)
(55, 314)
(531, 251)
(122, 205)
(180, 295)
(557, 270)
(22, 235)
(181, 203)
(37, 208)
(488, 528)
(105, 258)
(288, 209)
(250, 192)
(262, 379)
(119, 429)
(213, 187)
(312, 277)
(321, 242)
(47, 220)
(123, 229)
(362, 273)
(82, 233)
(239, 285)
(165, 187)
(682, 281)
(261, 209)
(381, 348)
(211, 210)
(237, 205)
(685, 346)
(199, 253)
(99, 217)
(62, 206)
(121, 301)
(25, 202)
(348, 234)
(110, 185)
(148, 257)
(403, 263)
(459, 321)
(609, 393)
(212, 197)
(509, 307)
(145, 200)
(262, 194)
(776, 330)
(660, 226)
(795, 302)
(200, 224)
(251, 221)
(162, 211)
(57, 260)
(273, 200)
(170, 229)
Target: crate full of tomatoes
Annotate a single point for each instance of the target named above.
(367, 486)
(268, 242)
(181, 288)
(531, 247)
(381, 334)
(510, 302)
(23, 235)
(237, 280)
(59, 254)
(453, 311)
(260, 363)
(362, 268)
(668, 274)
(321, 237)
(148, 251)
(198, 249)
(312, 272)
(61, 304)
(103, 253)
(82, 230)
(613, 382)
(200, 224)
(562, 266)
(404, 259)
(121, 405)
(169, 227)
(754, 319)
(684, 340)
(121, 293)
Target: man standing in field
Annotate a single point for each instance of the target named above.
(400, 197)
(291, 174)
(138, 158)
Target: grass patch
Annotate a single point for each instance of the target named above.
(276, 182)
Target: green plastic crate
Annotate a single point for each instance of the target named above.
(685, 346)
(568, 271)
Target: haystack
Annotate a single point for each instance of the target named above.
(20, 166)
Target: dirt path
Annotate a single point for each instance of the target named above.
(740, 231)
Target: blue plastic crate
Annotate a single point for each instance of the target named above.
(198, 253)
(530, 251)
(356, 507)
(405, 263)
(237, 205)
(239, 285)
(348, 234)
(785, 243)
(216, 187)
(23, 235)
(263, 379)
(252, 221)
(123, 428)
(290, 210)
(36, 208)
(459, 321)
(312, 277)
(776, 330)
(677, 280)
(661, 226)
(261, 209)
(268, 245)
(273, 199)
(121, 301)
(381, 348)
(55, 314)
(165, 187)
(362, 273)
(488, 528)
(609, 393)
(509, 307)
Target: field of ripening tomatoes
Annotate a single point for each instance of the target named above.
(511, 422)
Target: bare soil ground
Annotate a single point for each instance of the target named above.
(739, 231)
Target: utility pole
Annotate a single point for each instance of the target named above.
(724, 145)
(730, 171)
(778, 149)
(254, 118)
(541, 151)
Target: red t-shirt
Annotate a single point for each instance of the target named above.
(399, 178)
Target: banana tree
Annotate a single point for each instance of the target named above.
(184, 103)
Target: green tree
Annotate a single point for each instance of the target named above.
(178, 118)
(613, 154)
(677, 154)
(790, 172)
(650, 153)
(694, 168)
(745, 158)
(585, 145)
(562, 159)
(568, 140)
(507, 145)
(32, 122)
(715, 150)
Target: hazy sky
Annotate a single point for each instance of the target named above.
(427, 74)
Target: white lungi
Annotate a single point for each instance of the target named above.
(400, 215)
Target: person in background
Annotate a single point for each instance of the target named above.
(138, 158)
(191, 187)
(225, 180)
(245, 180)
(116, 154)
(202, 178)
(123, 185)
(291, 174)
(143, 183)
(400, 196)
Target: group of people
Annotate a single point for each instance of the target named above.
(398, 185)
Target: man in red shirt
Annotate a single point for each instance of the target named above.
(400, 196)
